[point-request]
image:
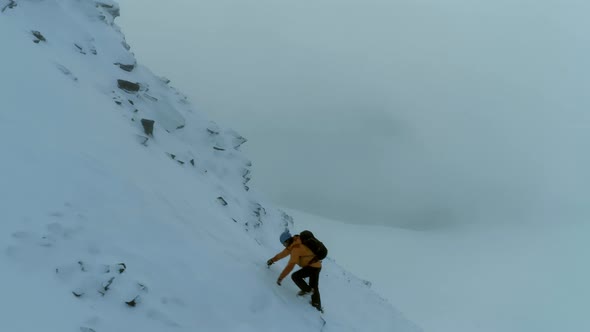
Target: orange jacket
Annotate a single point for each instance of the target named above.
(300, 255)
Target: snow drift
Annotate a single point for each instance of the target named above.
(124, 208)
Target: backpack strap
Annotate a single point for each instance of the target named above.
(313, 260)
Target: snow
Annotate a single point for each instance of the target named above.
(106, 228)
(498, 277)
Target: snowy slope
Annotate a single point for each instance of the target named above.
(107, 228)
(482, 278)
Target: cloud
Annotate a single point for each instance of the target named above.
(412, 113)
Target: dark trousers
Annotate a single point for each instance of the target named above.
(313, 273)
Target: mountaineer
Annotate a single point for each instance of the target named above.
(307, 252)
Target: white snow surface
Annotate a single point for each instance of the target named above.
(493, 278)
(96, 214)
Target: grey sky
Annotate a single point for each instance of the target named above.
(415, 113)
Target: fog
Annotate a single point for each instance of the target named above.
(420, 114)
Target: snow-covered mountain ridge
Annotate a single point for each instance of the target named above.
(110, 224)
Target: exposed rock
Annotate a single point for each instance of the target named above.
(11, 4)
(39, 36)
(106, 286)
(107, 11)
(125, 67)
(148, 126)
(143, 140)
(111, 8)
(165, 80)
(133, 302)
(128, 86)
(83, 51)
(142, 287)
(246, 176)
(221, 201)
(213, 129)
(80, 49)
(237, 139)
(121, 267)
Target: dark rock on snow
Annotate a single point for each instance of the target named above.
(128, 86)
(39, 36)
(148, 126)
(125, 67)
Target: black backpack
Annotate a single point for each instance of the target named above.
(316, 246)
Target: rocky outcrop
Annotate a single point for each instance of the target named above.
(110, 7)
(128, 86)
(108, 11)
(148, 126)
(127, 68)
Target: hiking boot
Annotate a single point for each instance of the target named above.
(317, 306)
(303, 293)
